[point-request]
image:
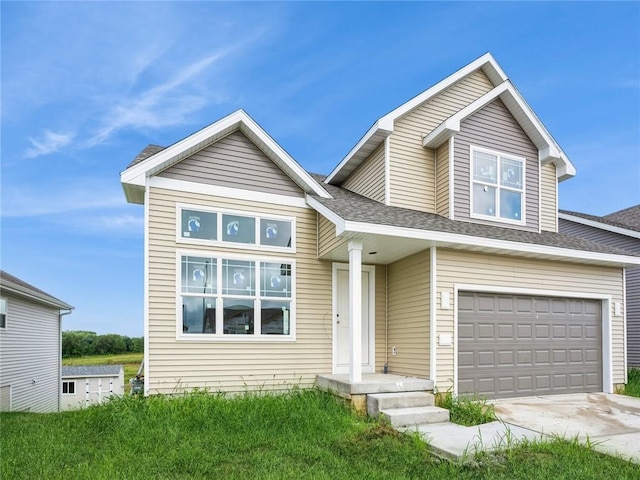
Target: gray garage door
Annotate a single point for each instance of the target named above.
(512, 345)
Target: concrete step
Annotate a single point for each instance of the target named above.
(404, 417)
(386, 401)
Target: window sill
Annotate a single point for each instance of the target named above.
(210, 338)
(506, 221)
(231, 245)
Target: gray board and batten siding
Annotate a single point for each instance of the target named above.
(632, 293)
(514, 345)
(234, 162)
(494, 127)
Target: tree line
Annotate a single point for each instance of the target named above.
(78, 343)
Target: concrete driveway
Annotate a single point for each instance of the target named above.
(610, 422)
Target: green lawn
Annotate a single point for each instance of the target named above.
(130, 362)
(632, 388)
(304, 434)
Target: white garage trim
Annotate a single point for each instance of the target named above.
(607, 360)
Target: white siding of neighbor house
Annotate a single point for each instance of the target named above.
(79, 398)
(412, 169)
(234, 161)
(457, 267)
(176, 365)
(549, 198)
(408, 315)
(368, 178)
(494, 127)
(30, 356)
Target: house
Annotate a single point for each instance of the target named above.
(30, 352)
(431, 251)
(621, 230)
(90, 384)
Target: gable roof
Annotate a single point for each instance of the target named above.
(134, 177)
(14, 285)
(91, 371)
(624, 222)
(384, 126)
(359, 215)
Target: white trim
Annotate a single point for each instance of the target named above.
(387, 171)
(452, 183)
(433, 323)
(385, 125)
(498, 187)
(607, 347)
(145, 358)
(238, 120)
(624, 321)
(540, 197)
(371, 269)
(68, 382)
(257, 298)
(220, 243)
(225, 192)
(598, 225)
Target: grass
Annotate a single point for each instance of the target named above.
(129, 361)
(302, 434)
(466, 411)
(632, 388)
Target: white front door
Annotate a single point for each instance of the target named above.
(341, 319)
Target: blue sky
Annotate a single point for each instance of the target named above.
(87, 85)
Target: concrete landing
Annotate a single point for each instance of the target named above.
(457, 442)
(371, 383)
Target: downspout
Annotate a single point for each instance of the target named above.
(60, 315)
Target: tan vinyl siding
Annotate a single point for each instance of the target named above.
(30, 350)
(494, 127)
(234, 161)
(442, 179)
(381, 316)
(408, 315)
(412, 169)
(456, 267)
(176, 365)
(327, 239)
(548, 198)
(368, 179)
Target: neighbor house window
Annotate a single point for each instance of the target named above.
(69, 387)
(235, 297)
(3, 313)
(203, 226)
(497, 186)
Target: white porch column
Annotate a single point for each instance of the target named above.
(355, 311)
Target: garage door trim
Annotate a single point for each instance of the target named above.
(607, 361)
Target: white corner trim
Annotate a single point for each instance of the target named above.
(226, 192)
(145, 358)
(387, 172)
(599, 225)
(433, 323)
(452, 184)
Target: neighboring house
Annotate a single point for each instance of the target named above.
(431, 250)
(621, 230)
(91, 384)
(30, 347)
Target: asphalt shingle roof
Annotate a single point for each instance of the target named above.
(146, 153)
(91, 370)
(628, 218)
(353, 207)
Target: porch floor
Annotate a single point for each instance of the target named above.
(340, 385)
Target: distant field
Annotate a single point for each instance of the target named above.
(130, 362)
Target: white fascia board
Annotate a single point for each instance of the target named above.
(328, 213)
(599, 225)
(239, 119)
(31, 295)
(386, 123)
(454, 238)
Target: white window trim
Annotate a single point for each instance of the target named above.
(68, 382)
(497, 186)
(221, 243)
(6, 313)
(219, 337)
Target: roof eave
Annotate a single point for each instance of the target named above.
(24, 292)
(599, 225)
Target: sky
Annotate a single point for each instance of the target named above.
(87, 85)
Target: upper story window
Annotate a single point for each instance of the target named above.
(3, 313)
(497, 186)
(206, 226)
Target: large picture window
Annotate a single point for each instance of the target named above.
(204, 226)
(497, 186)
(230, 297)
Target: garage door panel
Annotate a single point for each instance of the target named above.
(513, 345)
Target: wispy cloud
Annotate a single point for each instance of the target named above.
(50, 142)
